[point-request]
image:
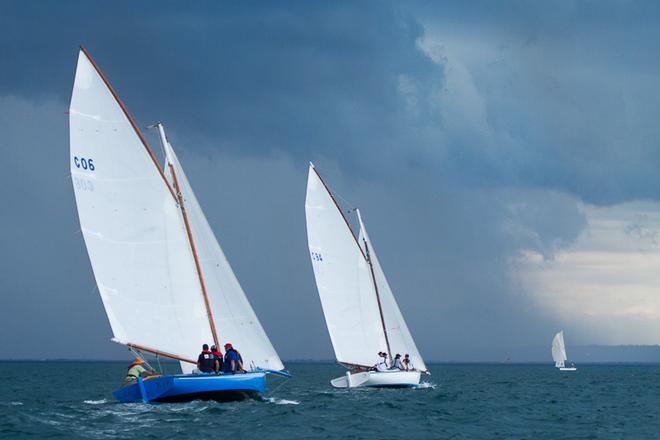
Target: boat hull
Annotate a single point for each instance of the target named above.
(187, 387)
(378, 379)
(567, 369)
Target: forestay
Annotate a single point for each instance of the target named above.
(559, 350)
(343, 279)
(399, 336)
(234, 318)
(132, 226)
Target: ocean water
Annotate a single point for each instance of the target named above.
(73, 400)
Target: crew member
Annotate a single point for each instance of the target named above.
(233, 362)
(206, 361)
(407, 363)
(397, 364)
(217, 354)
(135, 370)
(382, 362)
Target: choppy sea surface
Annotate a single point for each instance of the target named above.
(73, 400)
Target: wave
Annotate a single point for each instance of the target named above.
(282, 401)
(95, 402)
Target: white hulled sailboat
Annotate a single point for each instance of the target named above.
(559, 352)
(165, 283)
(361, 313)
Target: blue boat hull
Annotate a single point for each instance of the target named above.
(187, 387)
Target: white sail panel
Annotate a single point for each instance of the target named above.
(233, 315)
(559, 350)
(343, 279)
(399, 336)
(132, 226)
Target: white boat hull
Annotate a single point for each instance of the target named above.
(567, 369)
(389, 379)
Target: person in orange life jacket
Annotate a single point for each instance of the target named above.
(233, 360)
(135, 370)
(206, 362)
(218, 359)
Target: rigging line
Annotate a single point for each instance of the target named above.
(351, 207)
(138, 354)
(278, 387)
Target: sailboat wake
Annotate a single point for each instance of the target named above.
(277, 401)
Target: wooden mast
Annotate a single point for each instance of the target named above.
(191, 241)
(380, 307)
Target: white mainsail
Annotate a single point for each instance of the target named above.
(346, 287)
(138, 242)
(235, 319)
(559, 350)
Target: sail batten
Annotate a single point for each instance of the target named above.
(351, 285)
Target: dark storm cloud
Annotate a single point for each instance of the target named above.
(458, 163)
(569, 94)
(308, 77)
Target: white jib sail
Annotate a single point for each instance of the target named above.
(234, 318)
(343, 279)
(132, 226)
(399, 336)
(559, 350)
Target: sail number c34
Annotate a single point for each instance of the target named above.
(84, 163)
(316, 256)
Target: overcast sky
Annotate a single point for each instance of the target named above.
(505, 157)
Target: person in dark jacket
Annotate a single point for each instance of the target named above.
(218, 359)
(206, 362)
(233, 362)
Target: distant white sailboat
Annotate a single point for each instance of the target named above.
(361, 313)
(166, 285)
(559, 352)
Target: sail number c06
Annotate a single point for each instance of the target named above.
(84, 163)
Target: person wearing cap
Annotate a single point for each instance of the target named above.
(135, 370)
(233, 362)
(218, 359)
(206, 362)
